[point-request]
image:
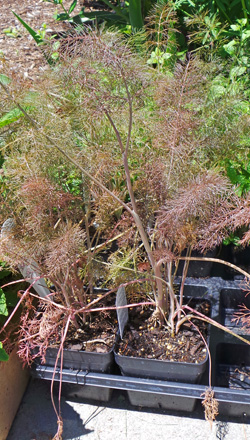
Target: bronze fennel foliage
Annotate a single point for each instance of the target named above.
(89, 109)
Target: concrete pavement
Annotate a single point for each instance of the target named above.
(118, 419)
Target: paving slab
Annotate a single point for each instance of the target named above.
(118, 419)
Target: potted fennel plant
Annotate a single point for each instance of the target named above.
(107, 181)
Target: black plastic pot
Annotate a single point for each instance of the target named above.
(84, 361)
(159, 369)
(163, 401)
(78, 392)
(163, 369)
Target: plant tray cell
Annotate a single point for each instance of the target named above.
(233, 366)
(162, 401)
(86, 392)
(230, 302)
(195, 291)
(198, 269)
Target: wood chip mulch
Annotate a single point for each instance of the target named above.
(18, 50)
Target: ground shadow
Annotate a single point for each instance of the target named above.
(36, 419)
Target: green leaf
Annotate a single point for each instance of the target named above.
(10, 117)
(55, 56)
(235, 27)
(4, 357)
(167, 55)
(246, 34)
(11, 297)
(3, 305)
(217, 90)
(38, 39)
(5, 80)
(72, 6)
(135, 14)
(56, 2)
(237, 71)
(63, 16)
(31, 31)
(234, 3)
(230, 47)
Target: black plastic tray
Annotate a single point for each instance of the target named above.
(239, 400)
(182, 396)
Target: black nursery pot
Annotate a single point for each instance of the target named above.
(74, 360)
(82, 360)
(162, 369)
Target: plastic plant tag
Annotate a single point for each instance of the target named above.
(122, 314)
(30, 272)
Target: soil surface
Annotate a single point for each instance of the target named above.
(142, 339)
(18, 50)
(98, 333)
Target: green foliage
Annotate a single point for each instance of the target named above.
(233, 238)
(159, 57)
(3, 304)
(115, 14)
(239, 174)
(211, 25)
(135, 14)
(238, 48)
(4, 271)
(4, 79)
(225, 112)
(70, 181)
(10, 117)
(39, 38)
(205, 33)
(4, 312)
(4, 357)
(11, 32)
(227, 10)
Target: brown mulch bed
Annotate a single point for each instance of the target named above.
(19, 52)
